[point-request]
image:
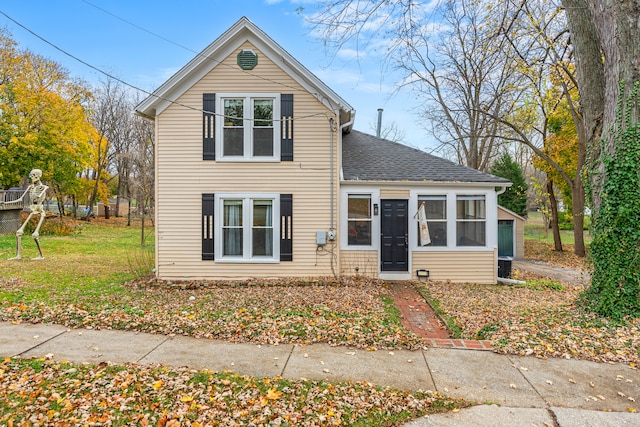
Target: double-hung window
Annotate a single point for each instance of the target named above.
(359, 219)
(248, 228)
(249, 127)
(471, 220)
(435, 208)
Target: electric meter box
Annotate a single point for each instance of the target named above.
(321, 238)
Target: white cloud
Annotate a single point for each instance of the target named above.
(152, 81)
(350, 54)
(344, 80)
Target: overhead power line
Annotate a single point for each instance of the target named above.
(188, 49)
(124, 82)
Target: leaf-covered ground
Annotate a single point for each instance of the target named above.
(354, 313)
(540, 318)
(541, 251)
(44, 392)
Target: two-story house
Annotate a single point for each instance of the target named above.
(260, 174)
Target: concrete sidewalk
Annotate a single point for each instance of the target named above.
(515, 390)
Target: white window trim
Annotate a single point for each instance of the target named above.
(445, 221)
(452, 196)
(476, 220)
(248, 127)
(362, 195)
(247, 213)
(344, 222)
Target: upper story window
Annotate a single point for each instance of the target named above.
(359, 219)
(471, 220)
(249, 130)
(435, 208)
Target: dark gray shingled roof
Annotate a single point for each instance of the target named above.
(368, 158)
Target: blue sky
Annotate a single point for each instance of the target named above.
(102, 39)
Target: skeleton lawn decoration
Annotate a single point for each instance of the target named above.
(37, 192)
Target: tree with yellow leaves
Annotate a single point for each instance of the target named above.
(44, 122)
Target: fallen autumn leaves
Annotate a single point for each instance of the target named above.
(45, 392)
(540, 319)
(279, 311)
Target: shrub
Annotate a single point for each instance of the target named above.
(52, 225)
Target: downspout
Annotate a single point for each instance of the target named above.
(332, 229)
(343, 126)
(331, 226)
(504, 188)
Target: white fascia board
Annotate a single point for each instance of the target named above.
(244, 30)
(194, 70)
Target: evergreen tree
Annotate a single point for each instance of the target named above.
(515, 198)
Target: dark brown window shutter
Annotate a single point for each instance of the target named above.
(207, 226)
(286, 224)
(208, 126)
(286, 141)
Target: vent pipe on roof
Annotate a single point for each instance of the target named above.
(379, 128)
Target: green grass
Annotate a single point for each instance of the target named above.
(534, 229)
(96, 259)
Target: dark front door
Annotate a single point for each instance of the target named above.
(394, 235)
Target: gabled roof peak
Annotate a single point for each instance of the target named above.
(240, 32)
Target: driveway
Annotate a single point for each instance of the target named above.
(562, 274)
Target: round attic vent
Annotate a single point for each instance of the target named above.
(247, 59)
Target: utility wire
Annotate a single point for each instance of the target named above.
(99, 70)
(111, 76)
(198, 54)
(139, 27)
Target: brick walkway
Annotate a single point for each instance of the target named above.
(418, 316)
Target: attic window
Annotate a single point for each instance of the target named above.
(247, 59)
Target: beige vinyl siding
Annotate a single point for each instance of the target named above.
(394, 194)
(183, 176)
(366, 261)
(471, 267)
(519, 229)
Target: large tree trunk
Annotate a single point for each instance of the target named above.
(553, 204)
(605, 36)
(590, 75)
(618, 28)
(609, 31)
(577, 206)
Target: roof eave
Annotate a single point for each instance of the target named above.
(174, 87)
(426, 183)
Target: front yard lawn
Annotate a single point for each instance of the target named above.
(89, 280)
(536, 320)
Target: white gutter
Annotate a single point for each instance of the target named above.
(352, 113)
